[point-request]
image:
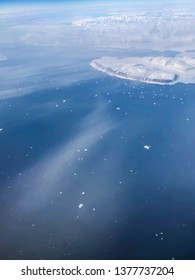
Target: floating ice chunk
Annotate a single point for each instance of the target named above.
(80, 205)
(1, 129)
(147, 147)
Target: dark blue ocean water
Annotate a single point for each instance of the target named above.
(77, 182)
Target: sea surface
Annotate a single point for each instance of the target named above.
(101, 169)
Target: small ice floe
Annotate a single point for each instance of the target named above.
(60, 192)
(64, 101)
(80, 206)
(83, 193)
(160, 235)
(1, 129)
(85, 150)
(118, 108)
(80, 158)
(93, 209)
(147, 147)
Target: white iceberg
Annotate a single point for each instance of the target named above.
(80, 205)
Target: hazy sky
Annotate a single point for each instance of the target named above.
(111, 1)
(151, 4)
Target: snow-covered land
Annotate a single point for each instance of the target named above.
(155, 70)
(157, 30)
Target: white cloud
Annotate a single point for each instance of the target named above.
(3, 57)
(41, 74)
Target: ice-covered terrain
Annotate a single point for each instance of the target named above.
(155, 70)
(157, 30)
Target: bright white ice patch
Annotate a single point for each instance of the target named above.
(80, 205)
(147, 147)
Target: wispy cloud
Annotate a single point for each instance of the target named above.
(43, 179)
